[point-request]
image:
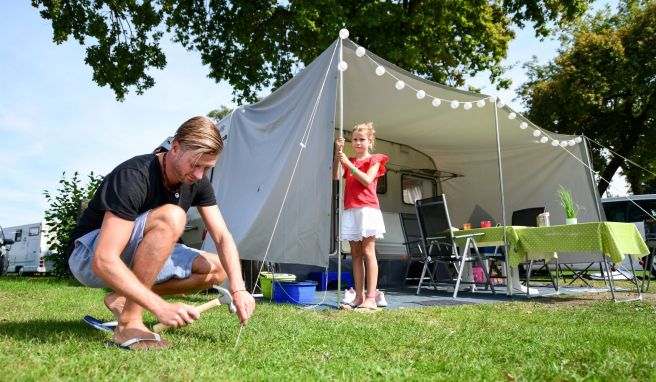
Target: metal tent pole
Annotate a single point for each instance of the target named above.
(339, 187)
(503, 200)
(593, 182)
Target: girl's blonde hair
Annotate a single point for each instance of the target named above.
(369, 132)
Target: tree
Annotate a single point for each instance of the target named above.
(61, 216)
(218, 114)
(602, 85)
(256, 44)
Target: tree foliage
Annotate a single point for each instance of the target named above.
(603, 85)
(61, 216)
(217, 115)
(256, 44)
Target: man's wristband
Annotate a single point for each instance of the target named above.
(238, 290)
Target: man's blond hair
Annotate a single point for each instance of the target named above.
(200, 135)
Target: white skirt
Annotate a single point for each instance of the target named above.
(358, 223)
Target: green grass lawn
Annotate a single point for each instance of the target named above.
(560, 339)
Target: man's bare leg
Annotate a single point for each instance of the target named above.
(163, 227)
(206, 271)
(114, 303)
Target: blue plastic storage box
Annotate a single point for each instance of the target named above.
(295, 292)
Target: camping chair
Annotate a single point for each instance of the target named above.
(412, 237)
(438, 243)
(526, 217)
(648, 261)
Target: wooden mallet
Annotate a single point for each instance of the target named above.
(226, 299)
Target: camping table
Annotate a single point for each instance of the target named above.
(612, 239)
(493, 237)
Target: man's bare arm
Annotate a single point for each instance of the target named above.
(107, 264)
(229, 256)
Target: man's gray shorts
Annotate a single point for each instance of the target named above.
(178, 265)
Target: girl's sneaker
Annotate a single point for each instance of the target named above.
(380, 300)
(349, 296)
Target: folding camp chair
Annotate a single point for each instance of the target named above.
(527, 217)
(438, 243)
(412, 237)
(648, 261)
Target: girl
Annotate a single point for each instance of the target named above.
(362, 221)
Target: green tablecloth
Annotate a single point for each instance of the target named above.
(612, 239)
(493, 237)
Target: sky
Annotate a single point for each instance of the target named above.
(55, 119)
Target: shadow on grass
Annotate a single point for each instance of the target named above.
(41, 279)
(48, 330)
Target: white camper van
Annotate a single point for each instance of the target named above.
(27, 254)
(636, 209)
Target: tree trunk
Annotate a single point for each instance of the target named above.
(608, 173)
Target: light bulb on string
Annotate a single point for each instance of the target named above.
(380, 70)
(467, 105)
(480, 103)
(360, 51)
(523, 125)
(454, 104)
(578, 139)
(399, 85)
(500, 104)
(537, 133)
(571, 142)
(421, 94)
(436, 102)
(544, 140)
(512, 116)
(555, 142)
(563, 143)
(493, 99)
(342, 66)
(343, 33)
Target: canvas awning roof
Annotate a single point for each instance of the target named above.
(290, 132)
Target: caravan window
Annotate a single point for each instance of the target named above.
(615, 211)
(18, 235)
(627, 212)
(635, 214)
(381, 186)
(416, 187)
(34, 231)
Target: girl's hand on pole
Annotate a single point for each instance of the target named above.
(339, 143)
(344, 159)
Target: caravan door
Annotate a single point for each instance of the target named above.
(33, 250)
(18, 252)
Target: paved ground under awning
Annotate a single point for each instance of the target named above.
(401, 298)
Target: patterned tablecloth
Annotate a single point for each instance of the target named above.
(614, 240)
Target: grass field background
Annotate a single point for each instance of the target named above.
(556, 339)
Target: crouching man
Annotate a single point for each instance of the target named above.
(127, 238)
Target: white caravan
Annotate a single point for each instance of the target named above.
(411, 175)
(27, 254)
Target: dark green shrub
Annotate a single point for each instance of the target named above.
(62, 215)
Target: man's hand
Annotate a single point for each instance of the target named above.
(245, 304)
(177, 314)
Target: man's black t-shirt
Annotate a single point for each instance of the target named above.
(136, 186)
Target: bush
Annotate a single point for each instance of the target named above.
(62, 215)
